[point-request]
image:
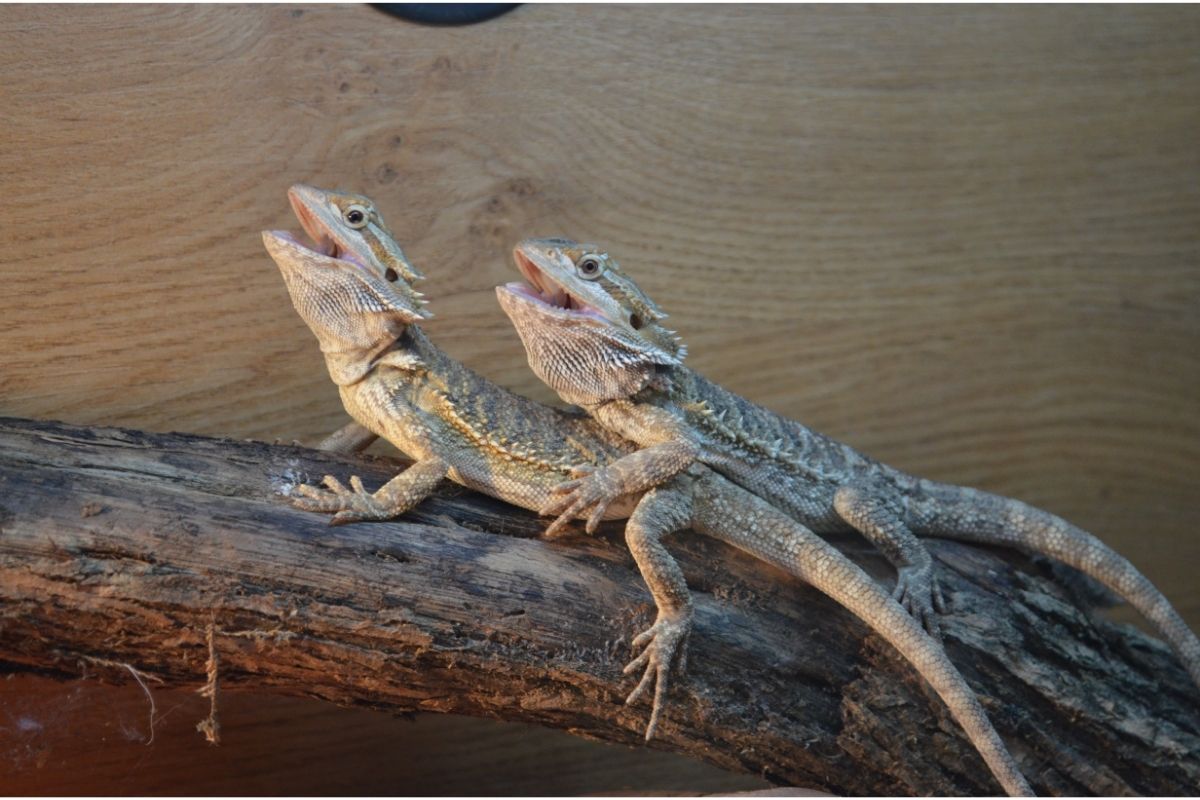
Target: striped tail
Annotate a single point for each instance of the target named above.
(956, 512)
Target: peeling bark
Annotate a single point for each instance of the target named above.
(121, 550)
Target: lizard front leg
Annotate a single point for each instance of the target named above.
(873, 511)
(668, 448)
(595, 488)
(394, 498)
(660, 511)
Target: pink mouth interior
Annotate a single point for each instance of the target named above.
(543, 288)
(525, 290)
(323, 241)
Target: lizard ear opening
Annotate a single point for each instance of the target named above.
(396, 300)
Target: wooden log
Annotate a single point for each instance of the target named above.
(176, 559)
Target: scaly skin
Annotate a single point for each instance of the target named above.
(631, 378)
(593, 336)
(457, 425)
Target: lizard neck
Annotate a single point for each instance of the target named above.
(351, 360)
(354, 319)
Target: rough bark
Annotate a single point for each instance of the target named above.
(125, 552)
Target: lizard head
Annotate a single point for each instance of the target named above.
(590, 332)
(351, 285)
(345, 225)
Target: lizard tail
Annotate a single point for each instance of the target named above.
(957, 512)
(781, 541)
(841, 579)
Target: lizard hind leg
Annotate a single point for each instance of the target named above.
(660, 512)
(874, 512)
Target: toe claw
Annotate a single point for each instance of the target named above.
(555, 528)
(939, 598)
(565, 517)
(641, 688)
(660, 697)
(346, 505)
(589, 494)
(596, 517)
(555, 506)
(665, 645)
(919, 592)
(929, 621)
(637, 663)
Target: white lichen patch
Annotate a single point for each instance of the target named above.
(285, 483)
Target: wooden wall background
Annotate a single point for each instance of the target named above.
(966, 240)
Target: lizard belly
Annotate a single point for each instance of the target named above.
(396, 413)
(526, 485)
(375, 407)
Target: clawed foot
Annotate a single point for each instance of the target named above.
(346, 505)
(918, 590)
(593, 488)
(666, 644)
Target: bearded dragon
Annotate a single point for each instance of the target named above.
(353, 289)
(594, 337)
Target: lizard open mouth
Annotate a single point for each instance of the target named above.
(540, 287)
(322, 241)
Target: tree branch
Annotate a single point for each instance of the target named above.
(121, 550)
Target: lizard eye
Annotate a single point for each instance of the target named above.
(355, 216)
(589, 267)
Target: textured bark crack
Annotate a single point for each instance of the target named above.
(199, 574)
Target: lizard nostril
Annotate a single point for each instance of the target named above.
(391, 275)
(635, 321)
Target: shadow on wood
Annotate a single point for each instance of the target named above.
(82, 737)
(121, 550)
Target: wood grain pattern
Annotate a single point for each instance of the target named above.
(965, 240)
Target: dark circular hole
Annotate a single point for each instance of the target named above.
(391, 275)
(635, 321)
(447, 13)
